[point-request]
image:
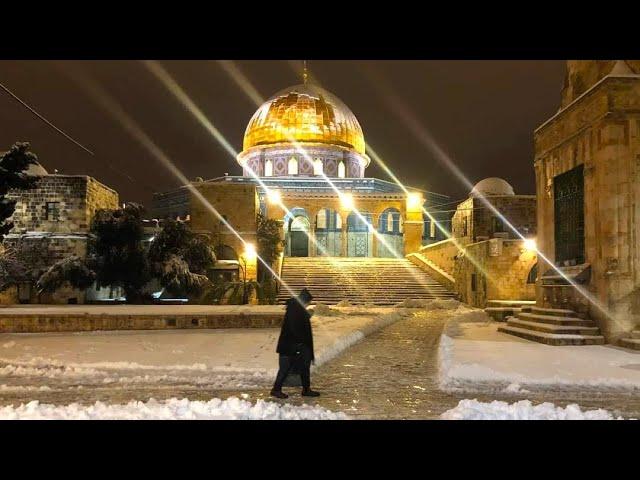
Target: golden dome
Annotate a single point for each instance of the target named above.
(304, 113)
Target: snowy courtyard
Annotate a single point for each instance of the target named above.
(435, 359)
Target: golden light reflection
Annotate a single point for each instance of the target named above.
(304, 113)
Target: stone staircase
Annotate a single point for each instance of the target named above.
(553, 326)
(633, 341)
(500, 310)
(379, 281)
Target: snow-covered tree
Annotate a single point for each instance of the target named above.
(116, 252)
(13, 167)
(180, 259)
(72, 271)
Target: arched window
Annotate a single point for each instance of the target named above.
(389, 222)
(268, 168)
(341, 169)
(293, 166)
(318, 167)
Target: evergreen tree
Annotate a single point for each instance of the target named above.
(13, 166)
(116, 252)
(180, 259)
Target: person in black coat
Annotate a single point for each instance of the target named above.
(295, 345)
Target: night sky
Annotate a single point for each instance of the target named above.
(482, 113)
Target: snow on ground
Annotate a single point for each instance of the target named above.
(474, 356)
(215, 359)
(174, 409)
(522, 410)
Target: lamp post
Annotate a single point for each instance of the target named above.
(249, 254)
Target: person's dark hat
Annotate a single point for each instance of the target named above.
(305, 296)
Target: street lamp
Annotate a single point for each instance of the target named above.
(249, 255)
(274, 197)
(530, 244)
(346, 200)
(414, 201)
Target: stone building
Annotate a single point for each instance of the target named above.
(485, 260)
(587, 163)
(51, 222)
(304, 164)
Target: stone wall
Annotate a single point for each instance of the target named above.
(52, 222)
(61, 204)
(582, 75)
(442, 254)
(494, 270)
(482, 223)
(601, 131)
(238, 204)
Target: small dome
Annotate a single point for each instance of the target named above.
(492, 186)
(36, 170)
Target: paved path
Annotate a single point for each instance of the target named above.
(391, 374)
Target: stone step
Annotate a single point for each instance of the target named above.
(552, 338)
(549, 328)
(553, 320)
(360, 280)
(635, 334)
(557, 312)
(509, 303)
(633, 343)
(500, 314)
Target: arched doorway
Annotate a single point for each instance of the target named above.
(328, 233)
(359, 237)
(297, 231)
(390, 235)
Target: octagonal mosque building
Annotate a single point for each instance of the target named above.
(304, 164)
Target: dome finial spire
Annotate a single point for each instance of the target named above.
(305, 73)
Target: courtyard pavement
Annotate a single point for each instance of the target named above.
(393, 373)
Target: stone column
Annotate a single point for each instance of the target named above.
(375, 218)
(343, 241)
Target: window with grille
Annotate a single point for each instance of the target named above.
(53, 211)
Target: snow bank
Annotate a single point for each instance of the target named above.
(474, 357)
(214, 359)
(522, 410)
(344, 303)
(174, 409)
(323, 310)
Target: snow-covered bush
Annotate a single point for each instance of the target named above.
(71, 270)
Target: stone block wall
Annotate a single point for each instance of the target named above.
(75, 197)
(442, 254)
(494, 270)
(45, 235)
(238, 203)
(601, 131)
(519, 210)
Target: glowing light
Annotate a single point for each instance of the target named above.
(274, 197)
(250, 253)
(414, 201)
(346, 200)
(530, 245)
